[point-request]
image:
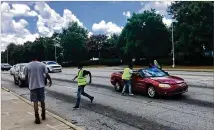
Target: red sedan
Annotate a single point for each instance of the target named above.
(152, 81)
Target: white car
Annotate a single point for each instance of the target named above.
(53, 66)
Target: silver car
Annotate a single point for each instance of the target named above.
(5, 66)
(19, 77)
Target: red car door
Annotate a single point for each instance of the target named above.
(138, 84)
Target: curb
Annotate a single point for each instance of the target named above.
(48, 112)
(191, 70)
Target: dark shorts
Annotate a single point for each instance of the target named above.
(37, 95)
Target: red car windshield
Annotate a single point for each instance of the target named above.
(152, 72)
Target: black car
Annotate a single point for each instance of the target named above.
(19, 77)
(5, 66)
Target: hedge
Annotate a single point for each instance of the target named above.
(108, 62)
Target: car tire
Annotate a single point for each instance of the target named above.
(151, 92)
(14, 80)
(20, 83)
(117, 87)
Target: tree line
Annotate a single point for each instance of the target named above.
(144, 38)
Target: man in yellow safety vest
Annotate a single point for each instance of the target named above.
(127, 73)
(81, 81)
(156, 64)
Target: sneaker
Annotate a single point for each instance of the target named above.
(123, 94)
(92, 99)
(37, 122)
(131, 94)
(37, 119)
(76, 107)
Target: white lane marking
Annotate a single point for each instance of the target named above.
(30, 113)
(51, 127)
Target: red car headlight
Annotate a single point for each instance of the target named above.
(164, 85)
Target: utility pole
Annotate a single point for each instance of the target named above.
(173, 49)
(55, 53)
(7, 55)
(99, 56)
(56, 44)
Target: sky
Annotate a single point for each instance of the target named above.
(25, 21)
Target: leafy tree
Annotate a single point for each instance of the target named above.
(95, 44)
(144, 35)
(194, 29)
(72, 39)
(10, 50)
(110, 48)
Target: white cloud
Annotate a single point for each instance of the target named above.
(108, 28)
(159, 6)
(15, 31)
(22, 10)
(49, 21)
(167, 22)
(69, 17)
(90, 34)
(127, 14)
(17, 39)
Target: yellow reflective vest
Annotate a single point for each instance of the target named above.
(81, 80)
(156, 63)
(126, 74)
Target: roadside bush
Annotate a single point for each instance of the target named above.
(110, 62)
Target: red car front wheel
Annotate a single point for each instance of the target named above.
(151, 92)
(117, 87)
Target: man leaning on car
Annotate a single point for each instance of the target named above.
(127, 73)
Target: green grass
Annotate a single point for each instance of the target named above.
(183, 67)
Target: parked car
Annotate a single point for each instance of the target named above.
(12, 70)
(5, 66)
(19, 77)
(152, 81)
(53, 66)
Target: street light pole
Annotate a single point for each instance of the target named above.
(55, 54)
(7, 55)
(173, 49)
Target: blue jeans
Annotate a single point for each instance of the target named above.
(81, 92)
(127, 85)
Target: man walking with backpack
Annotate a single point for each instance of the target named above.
(81, 81)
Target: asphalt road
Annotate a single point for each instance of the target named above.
(111, 111)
